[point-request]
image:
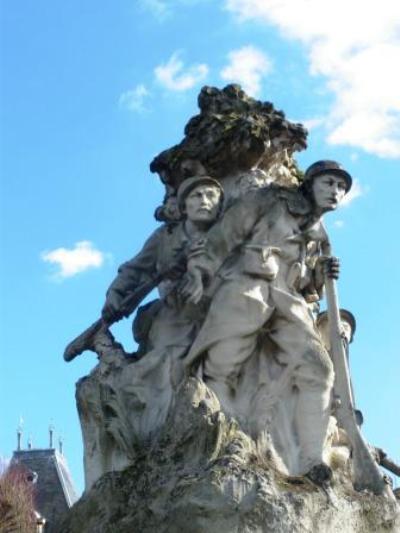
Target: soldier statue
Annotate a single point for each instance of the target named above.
(268, 251)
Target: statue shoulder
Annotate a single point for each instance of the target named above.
(259, 201)
(153, 246)
(317, 232)
(296, 202)
(258, 196)
(166, 231)
(273, 194)
(171, 238)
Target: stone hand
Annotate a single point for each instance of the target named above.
(332, 267)
(327, 266)
(177, 271)
(191, 289)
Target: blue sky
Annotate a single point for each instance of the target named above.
(92, 91)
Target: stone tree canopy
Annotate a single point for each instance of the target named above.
(236, 414)
(233, 133)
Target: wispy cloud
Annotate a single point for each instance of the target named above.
(311, 123)
(247, 66)
(355, 192)
(134, 99)
(158, 8)
(356, 46)
(174, 77)
(164, 9)
(69, 262)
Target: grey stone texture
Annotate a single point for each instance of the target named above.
(202, 474)
(227, 419)
(232, 134)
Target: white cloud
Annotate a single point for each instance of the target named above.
(163, 9)
(311, 123)
(134, 99)
(173, 76)
(338, 223)
(355, 192)
(158, 8)
(70, 262)
(247, 66)
(355, 45)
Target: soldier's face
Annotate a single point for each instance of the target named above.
(345, 330)
(202, 203)
(328, 191)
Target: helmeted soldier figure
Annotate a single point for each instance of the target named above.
(268, 251)
(167, 327)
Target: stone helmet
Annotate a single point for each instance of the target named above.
(187, 186)
(345, 316)
(330, 167)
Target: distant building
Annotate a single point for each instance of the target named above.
(47, 469)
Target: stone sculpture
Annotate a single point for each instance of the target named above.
(134, 400)
(272, 241)
(234, 345)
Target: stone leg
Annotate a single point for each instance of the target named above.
(311, 420)
(223, 365)
(311, 384)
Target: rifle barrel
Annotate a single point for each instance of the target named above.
(366, 471)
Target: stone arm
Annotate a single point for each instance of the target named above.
(139, 270)
(228, 234)
(319, 263)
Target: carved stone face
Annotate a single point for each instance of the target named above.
(202, 203)
(328, 191)
(345, 330)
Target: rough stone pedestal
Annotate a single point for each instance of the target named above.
(202, 474)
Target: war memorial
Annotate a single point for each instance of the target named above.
(237, 413)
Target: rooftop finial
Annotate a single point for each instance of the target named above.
(60, 445)
(19, 432)
(51, 435)
(30, 442)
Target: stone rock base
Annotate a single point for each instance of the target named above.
(202, 474)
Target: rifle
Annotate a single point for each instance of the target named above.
(366, 473)
(386, 461)
(84, 341)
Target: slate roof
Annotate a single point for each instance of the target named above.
(54, 488)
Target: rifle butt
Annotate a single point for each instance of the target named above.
(83, 341)
(366, 472)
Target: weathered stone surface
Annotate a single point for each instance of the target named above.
(236, 413)
(235, 139)
(202, 474)
(232, 132)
